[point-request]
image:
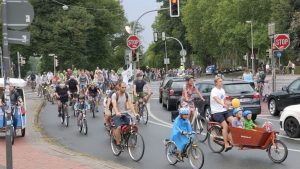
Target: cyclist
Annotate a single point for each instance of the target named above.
(260, 75)
(92, 92)
(62, 95)
(138, 89)
(73, 87)
(188, 90)
(99, 78)
(83, 80)
(81, 105)
(219, 110)
(32, 78)
(121, 103)
(68, 74)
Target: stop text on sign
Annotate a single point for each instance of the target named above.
(282, 41)
(133, 42)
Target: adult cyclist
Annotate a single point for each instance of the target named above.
(188, 90)
(138, 89)
(93, 92)
(121, 104)
(62, 95)
(83, 80)
(73, 87)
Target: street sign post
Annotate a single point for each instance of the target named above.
(18, 37)
(282, 41)
(19, 14)
(133, 42)
(166, 61)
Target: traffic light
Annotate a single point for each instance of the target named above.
(174, 8)
(269, 53)
(55, 61)
(134, 55)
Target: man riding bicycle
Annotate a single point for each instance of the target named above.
(261, 76)
(219, 110)
(93, 92)
(62, 95)
(83, 80)
(121, 103)
(73, 87)
(138, 89)
(188, 90)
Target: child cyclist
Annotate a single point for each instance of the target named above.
(81, 105)
(181, 127)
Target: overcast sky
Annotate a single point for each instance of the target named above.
(134, 8)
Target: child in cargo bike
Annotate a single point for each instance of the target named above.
(181, 127)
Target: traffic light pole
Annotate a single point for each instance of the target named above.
(7, 73)
(134, 64)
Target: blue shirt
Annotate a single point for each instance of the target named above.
(248, 77)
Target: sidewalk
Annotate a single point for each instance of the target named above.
(34, 152)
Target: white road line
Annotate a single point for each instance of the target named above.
(159, 124)
(268, 119)
(156, 118)
(264, 115)
(295, 139)
(154, 98)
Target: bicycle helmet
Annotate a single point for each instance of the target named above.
(184, 111)
(236, 110)
(246, 112)
(108, 92)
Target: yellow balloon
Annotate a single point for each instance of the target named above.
(235, 103)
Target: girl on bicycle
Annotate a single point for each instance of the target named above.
(181, 127)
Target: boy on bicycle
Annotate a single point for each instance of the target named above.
(81, 105)
(181, 127)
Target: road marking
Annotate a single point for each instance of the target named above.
(154, 98)
(156, 118)
(159, 124)
(268, 119)
(264, 115)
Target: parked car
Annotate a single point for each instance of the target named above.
(290, 120)
(210, 70)
(234, 89)
(163, 84)
(172, 92)
(289, 95)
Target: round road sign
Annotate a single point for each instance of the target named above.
(133, 42)
(282, 41)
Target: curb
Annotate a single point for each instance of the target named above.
(62, 149)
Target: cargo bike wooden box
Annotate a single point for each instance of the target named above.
(19, 112)
(244, 139)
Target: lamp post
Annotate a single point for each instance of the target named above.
(252, 54)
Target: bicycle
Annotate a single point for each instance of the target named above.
(33, 85)
(92, 101)
(64, 114)
(74, 97)
(130, 139)
(142, 109)
(191, 151)
(82, 122)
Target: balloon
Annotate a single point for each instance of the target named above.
(235, 103)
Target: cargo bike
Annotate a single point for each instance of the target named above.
(243, 139)
(18, 112)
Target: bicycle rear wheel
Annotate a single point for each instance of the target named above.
(200, 127)
(136, 146)
(171, 153)
(196, 157)
(215, 139)
(93, 108)
(144, 114)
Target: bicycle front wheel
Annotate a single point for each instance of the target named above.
(196, 157)
(200, 127)
(136, 146)
(144, 114)
(85, 127)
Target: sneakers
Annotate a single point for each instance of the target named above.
(59, 114)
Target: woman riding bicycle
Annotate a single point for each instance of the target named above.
(188, 90)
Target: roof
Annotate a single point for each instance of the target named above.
(15, 82)
(226, 81)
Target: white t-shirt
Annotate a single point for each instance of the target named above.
(215, 106)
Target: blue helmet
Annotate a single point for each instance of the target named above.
(246, 112)
(184, 111)
(236, 110)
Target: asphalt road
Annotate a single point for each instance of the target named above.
(97, 143)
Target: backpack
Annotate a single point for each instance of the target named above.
(262, 75)
(32, 76)
(72, 83)
(117, 98)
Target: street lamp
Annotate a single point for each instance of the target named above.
(252, 54)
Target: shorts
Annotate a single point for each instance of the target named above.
(82, 85)
(118, 121)
(140, 94)
(220, 117)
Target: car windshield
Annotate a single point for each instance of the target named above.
(238, 88)
(178, 84)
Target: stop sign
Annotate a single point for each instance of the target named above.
(282, 41)
(133, 42)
